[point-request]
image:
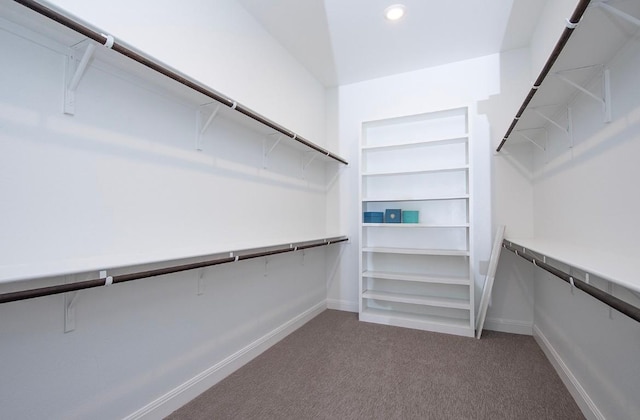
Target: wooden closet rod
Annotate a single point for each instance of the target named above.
(104, 40)
(572, 23)
(619, 305)
(71, 287)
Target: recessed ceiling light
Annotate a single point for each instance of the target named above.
(394, 12)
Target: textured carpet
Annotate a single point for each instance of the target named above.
(335, 367)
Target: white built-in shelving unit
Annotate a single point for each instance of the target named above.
(418, 275)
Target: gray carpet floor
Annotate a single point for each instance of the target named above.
(335, 367)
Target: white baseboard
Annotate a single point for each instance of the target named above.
(586, 404)
(342, 305)
(184, 393)
(508, 326)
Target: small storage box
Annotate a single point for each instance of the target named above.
(410, 216)
(373, 217)
(392, 215)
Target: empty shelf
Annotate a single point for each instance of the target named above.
(441, 302)
(416, 277)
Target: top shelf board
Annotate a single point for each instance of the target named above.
(56, 268)
(434, 142)
(616, 268)
(423, 171)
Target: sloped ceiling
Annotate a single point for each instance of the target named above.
(347, 41)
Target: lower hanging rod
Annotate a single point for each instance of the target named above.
(619, 305)
(88, 284)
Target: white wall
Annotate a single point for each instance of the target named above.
(120, 183)
(416, 92)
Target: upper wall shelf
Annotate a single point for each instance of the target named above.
(439, 141)
(615, 268)
(54, 25)
(594, 33)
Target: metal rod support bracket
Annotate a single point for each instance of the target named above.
(267, 151)
(74, 71)
(203, 124)
(313, 156)
(201, 281)
(70, 300)
(604, 100)
(108, 280)
(568, 130)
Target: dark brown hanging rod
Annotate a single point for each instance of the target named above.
(619, 305)
(102, 39)
(71, 287)
(566, 34)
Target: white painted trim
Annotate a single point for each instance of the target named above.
(586, 404)
(509, 326)
(342, 305)
(184, 393)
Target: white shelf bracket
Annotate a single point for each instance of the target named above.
(571, 282)
(617, 12)
(604, 100)
(267, 150)
(306, 164)
(70, 300)
(335, 177)
(522, 134)
(74, 71)
(203, 122)
(568, 130)
(201, 281)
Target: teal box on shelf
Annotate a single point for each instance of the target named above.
(373, 217)
(392, 216)
(410, 216)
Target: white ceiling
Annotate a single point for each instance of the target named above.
(347, 41)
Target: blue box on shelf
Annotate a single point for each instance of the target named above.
(392, 216)
(373, 217)
(410, 216)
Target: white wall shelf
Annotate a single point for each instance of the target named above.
(423, 171)
(417, 251)
(84, 44)
(612, 267)
(442, 141)
(441, 302)
(423, 322)
(603, 31)
(418, 275)
(420, 198)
